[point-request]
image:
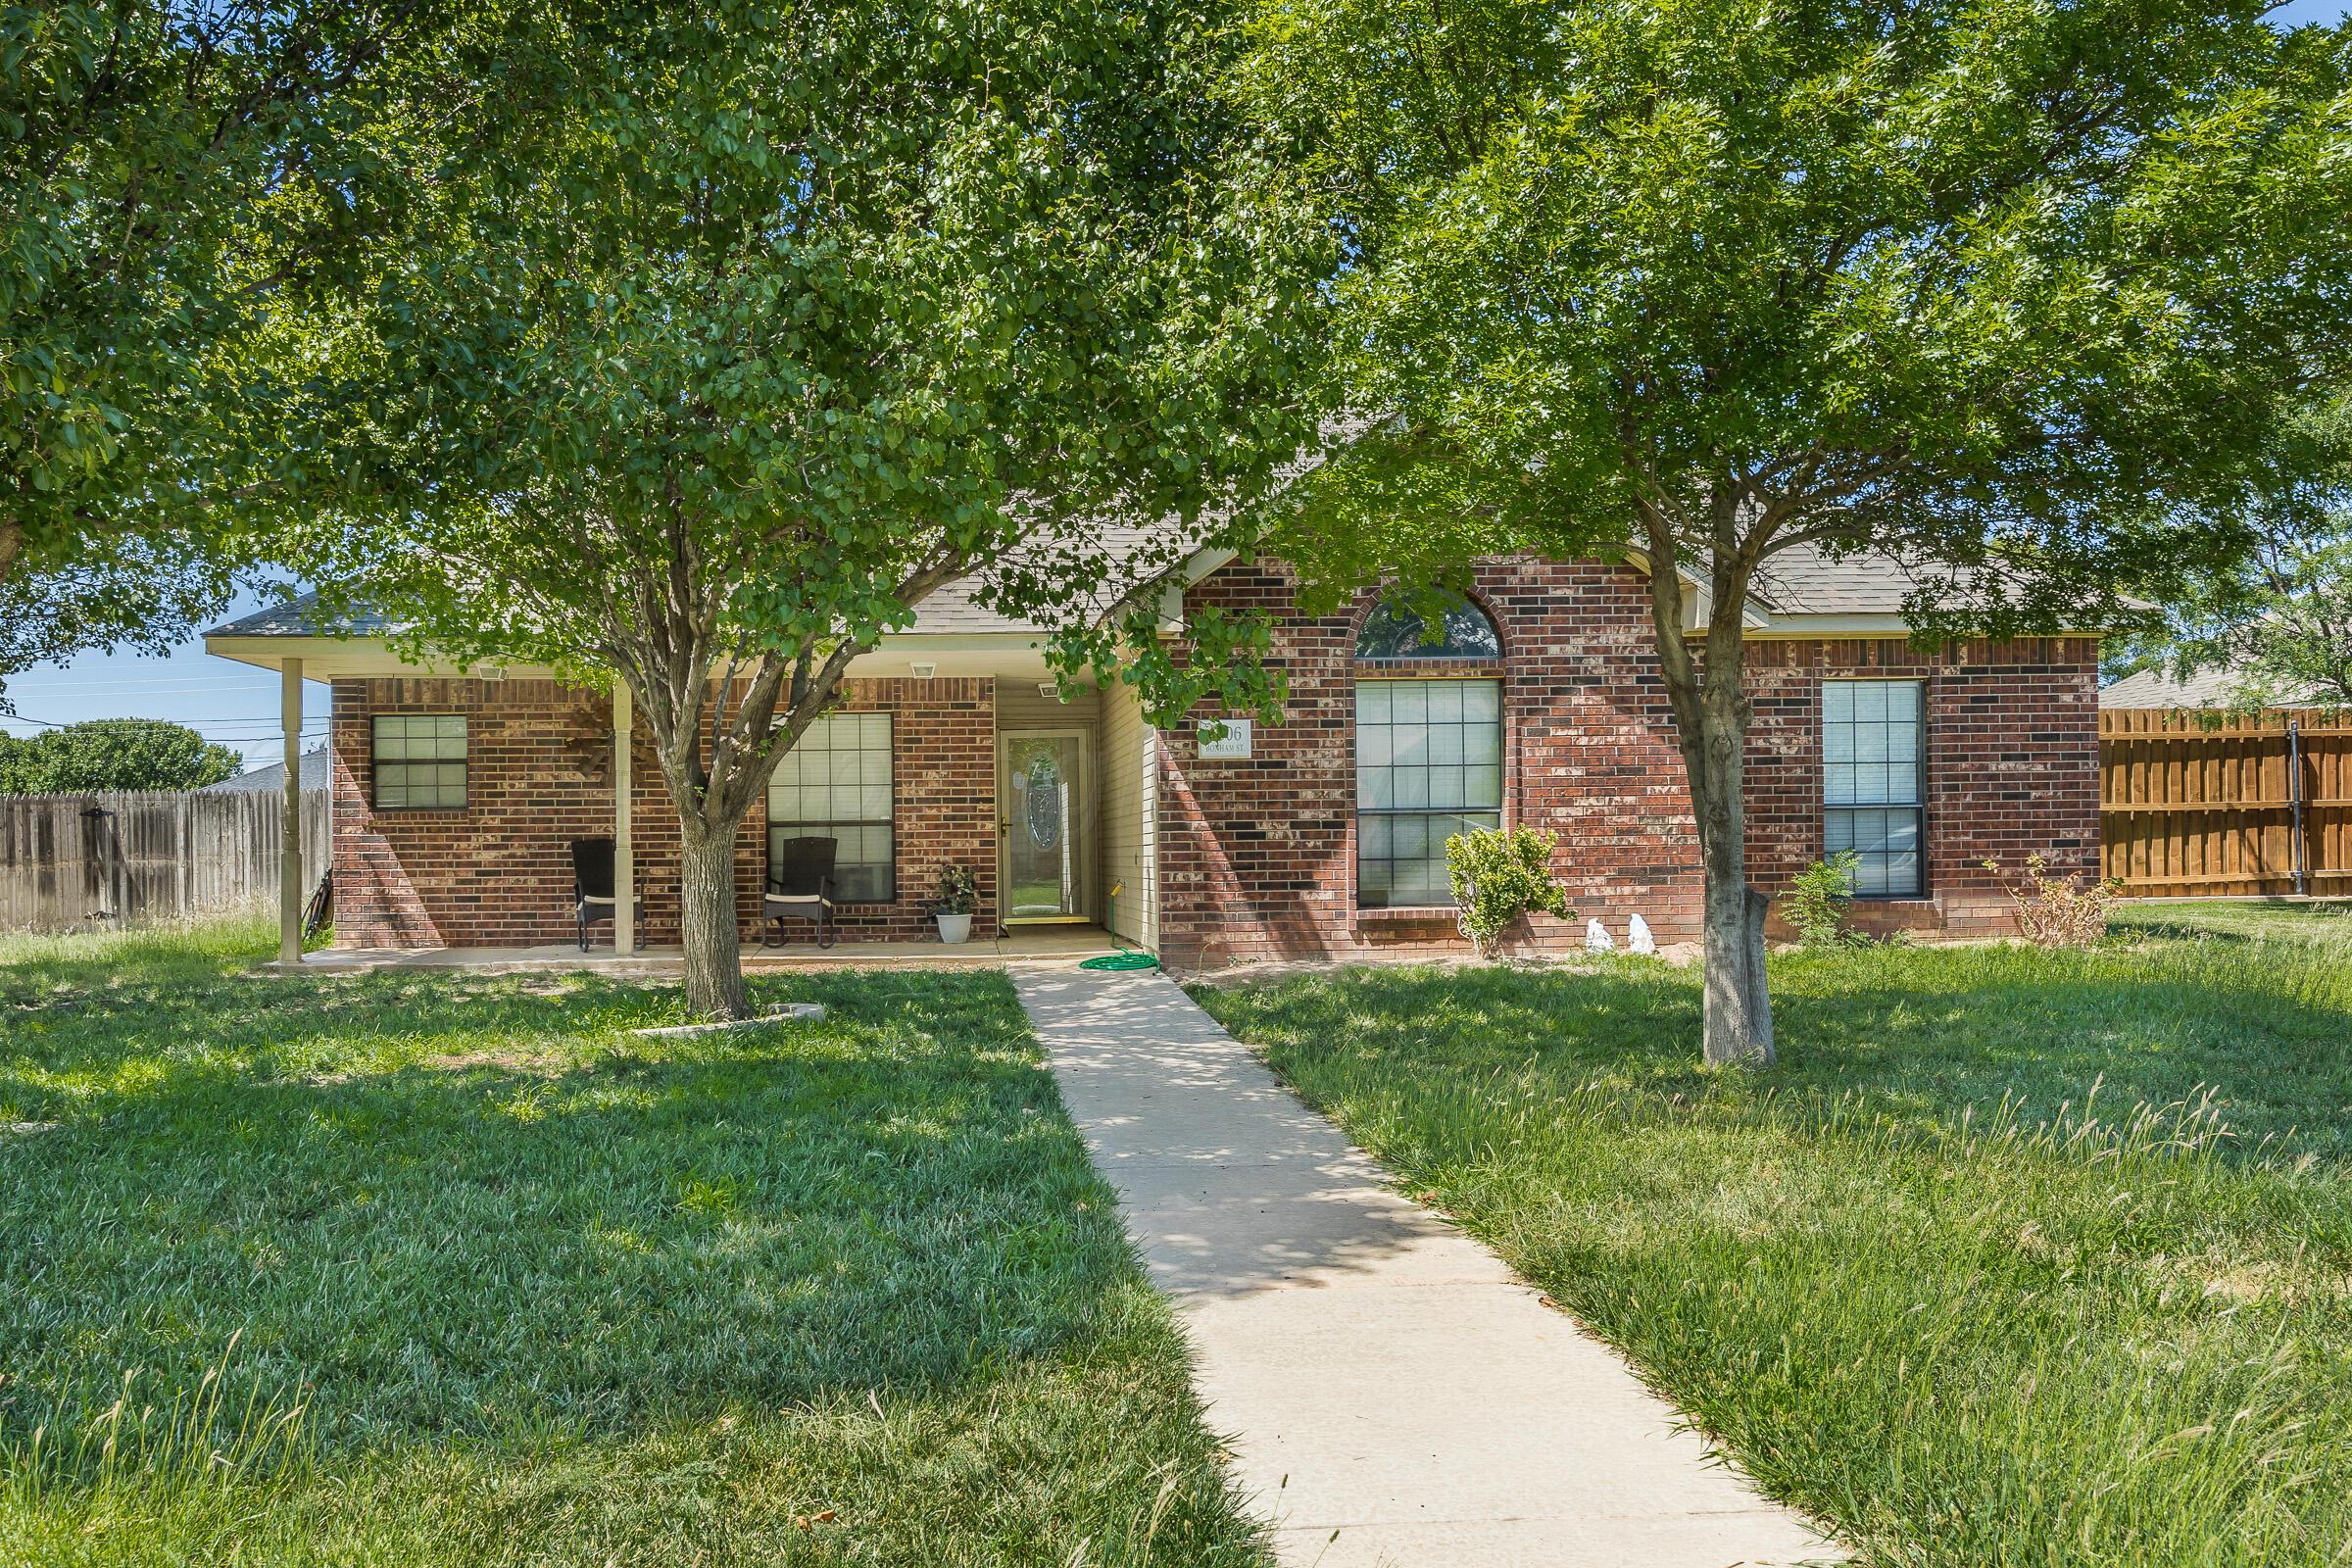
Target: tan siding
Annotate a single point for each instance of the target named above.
(1019, 707)
(1130, 774)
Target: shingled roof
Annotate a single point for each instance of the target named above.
(1802, 581)
(2221, 687)
(950, 612)
(1799, 581)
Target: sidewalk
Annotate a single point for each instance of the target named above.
(1393, 1395)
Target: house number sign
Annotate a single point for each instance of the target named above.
(1231, 747)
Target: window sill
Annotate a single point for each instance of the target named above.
(1410, 911)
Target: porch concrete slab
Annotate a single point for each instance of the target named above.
(1392, 1393)
(1049, 943)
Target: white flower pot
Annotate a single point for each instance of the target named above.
(954, 927)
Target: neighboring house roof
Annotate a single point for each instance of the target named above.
(314, 776)
(2216, 687)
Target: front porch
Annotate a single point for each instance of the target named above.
(465, 799)
(1023, 944)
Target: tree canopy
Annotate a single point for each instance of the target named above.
(749, 330)
(2281, 623)
(180, 178)
(2012, 291)
(113, 753)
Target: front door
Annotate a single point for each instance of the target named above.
(1041, 800)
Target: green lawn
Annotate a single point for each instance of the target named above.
(2326, 922)
(487, 1280)
(2017, 1258)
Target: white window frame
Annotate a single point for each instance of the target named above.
(863, 805)
(1430, 791)
(1857, 720)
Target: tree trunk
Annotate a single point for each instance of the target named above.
(1711, 716)
(708, 922)
(1739, 1004)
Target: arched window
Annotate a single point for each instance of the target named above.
(1453, 629)
(1428, 750)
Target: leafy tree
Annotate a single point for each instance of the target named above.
(758, 327)
(2010, 289)
(111, 753)
(177, 173)
(2282, 620)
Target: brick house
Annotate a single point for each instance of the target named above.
(456, 793)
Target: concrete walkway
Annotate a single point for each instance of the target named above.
(1393, 1393)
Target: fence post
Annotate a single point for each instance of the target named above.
(2294, 798)
(624, 829)
(289, 860)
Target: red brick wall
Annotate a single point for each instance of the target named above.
(1257, 856)
(540, 774)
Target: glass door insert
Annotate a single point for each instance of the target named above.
(1041, 798)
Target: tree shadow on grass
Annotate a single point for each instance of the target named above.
(1925, 1035)
(440, 1209)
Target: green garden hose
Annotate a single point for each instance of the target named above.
(1125, 959)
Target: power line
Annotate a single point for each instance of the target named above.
(97, 692)
(210, 728)
(256, 676)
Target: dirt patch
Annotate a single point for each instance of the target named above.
(539, 1063)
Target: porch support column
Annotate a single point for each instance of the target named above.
(289, 857)
(624, 844)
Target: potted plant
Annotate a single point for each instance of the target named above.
(958, 896)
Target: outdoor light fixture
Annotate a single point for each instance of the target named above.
(924, 668)
(1046, 688)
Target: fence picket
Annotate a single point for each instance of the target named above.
(2195, 804)
(153, 855)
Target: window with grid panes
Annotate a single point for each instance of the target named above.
(420, 762)
(1874, 782)
(1428, 765)
(836, 784)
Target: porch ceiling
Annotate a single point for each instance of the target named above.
(1057, 944)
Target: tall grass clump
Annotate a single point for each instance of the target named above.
(2021, 1255)
(184, 1462)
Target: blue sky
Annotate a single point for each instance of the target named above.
(233, 704)
(237, 705)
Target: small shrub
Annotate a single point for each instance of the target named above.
(1500, 876)
(958, 891)
(1816, 903)
(2058, 911)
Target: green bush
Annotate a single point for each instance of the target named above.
(1498, 876)
(1816, 902)
(113, 753)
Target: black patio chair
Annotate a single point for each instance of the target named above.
(592, 885)
(799, 886)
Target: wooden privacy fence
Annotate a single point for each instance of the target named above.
(2202, 804)
(74, 861)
